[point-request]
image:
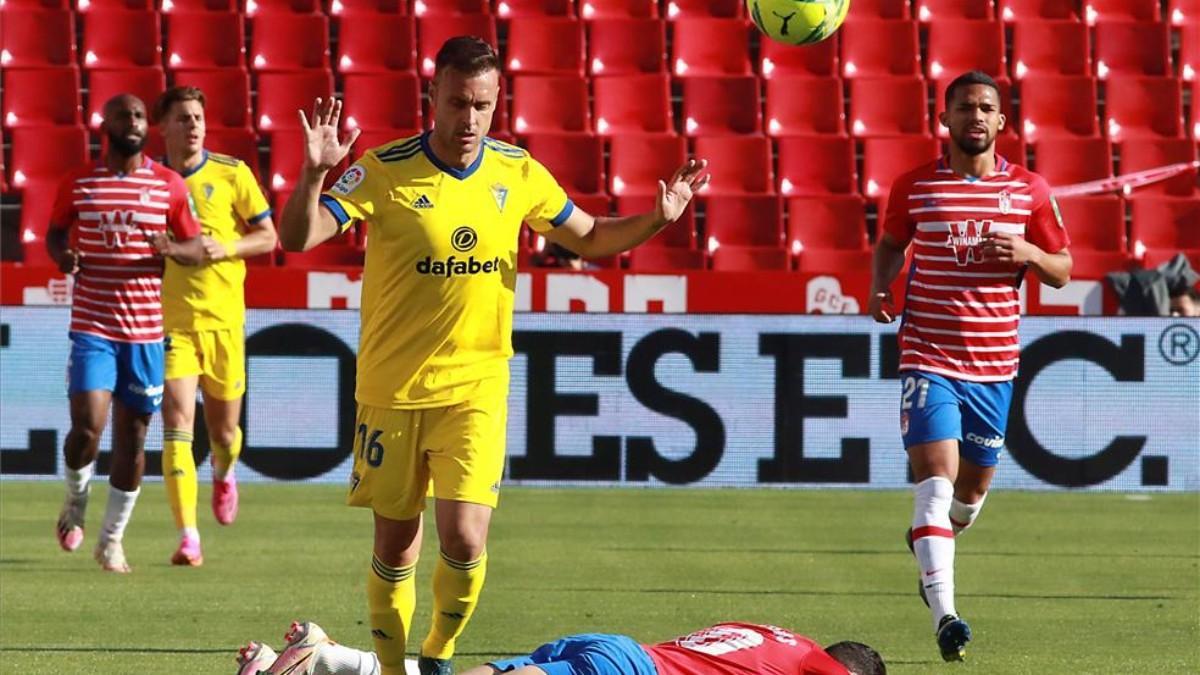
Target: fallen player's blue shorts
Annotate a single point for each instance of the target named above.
(936, 408)
(588, 654)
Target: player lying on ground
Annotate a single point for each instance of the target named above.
(727, 648)
(977, 224)
(444, 211)
(113, 223)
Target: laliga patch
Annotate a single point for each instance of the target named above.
(349, 180)
(1057, 213)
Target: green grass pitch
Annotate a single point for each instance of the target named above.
(1050, 582)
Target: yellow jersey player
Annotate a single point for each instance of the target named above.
(444, 210)
(204, 312)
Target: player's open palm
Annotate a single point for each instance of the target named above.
(323, 151)
(674, 196)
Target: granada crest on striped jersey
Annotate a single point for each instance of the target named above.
(1005, 202)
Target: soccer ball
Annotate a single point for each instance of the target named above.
(798, 22)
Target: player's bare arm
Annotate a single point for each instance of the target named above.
(60, 251)
(886, 264)
(259, 238)
(304, 224)
(593, 237)
(1053, 269)
(186, 252)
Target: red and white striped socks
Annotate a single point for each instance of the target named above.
(933, 544)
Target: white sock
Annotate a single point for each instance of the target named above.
(963, 515)
(933, 544)
(334, 659)
(117, 513)
(78, 479)
(189, 533)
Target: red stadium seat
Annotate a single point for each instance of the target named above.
(816, 165)
(632, 104)
(1150, 153)
(627, 46)
(122, 39)
(240, 143)
(936, 11)
(443, 8)
(550, 104)
(1127, 48)
(597, 205)
(382, 101)
(36, 4)
(829, 222)
(1058, 106)
(1144, 107)
(172, 6)
(1016, 11)
(1095, 223)
(145, 83)
(433, 31)
(819, 60)
(1095, 265)
(939, 106)
(284, 42)
(1067, 160)
(959, 45)
(93, 6)
(31, 38)
(805, 105)
(525, 9)
(885, 159)
(1166, 223)
(255, 7)
(1096, 12)
(341, 8)
(280, 95)
(545, 46)
(877, 9)
(41, 97)
(1153, 257)
(744, 220)
(647, 258)
(371, 43)
(205, 40)
(1183, 12)
(227, 95)
(40, 158)
(286, 160)
(638, 161)
(891, 106)
(879, 48)
(1058, 47)
(737, 164)
(618, 9)
(340, 251)
(681, 234)
(749, 259)
(1189, 49)
(692, 9)
(575, 160)
(721, 105)
(832, 261)
(1011, 147)
(710, 47)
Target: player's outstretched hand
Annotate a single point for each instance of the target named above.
(68, 262)
(673, 196)
(882, 307)
(322, 151)
(160, 242)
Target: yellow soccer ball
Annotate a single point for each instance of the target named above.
(798, 22)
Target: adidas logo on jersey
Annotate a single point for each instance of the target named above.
(422, 202)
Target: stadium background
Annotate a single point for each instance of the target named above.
(611, 95)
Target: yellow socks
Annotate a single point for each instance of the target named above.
(456, 589)
(224, 458)
(179, 474)
(392, 598)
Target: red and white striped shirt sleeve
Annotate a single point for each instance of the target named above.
(1045, 227)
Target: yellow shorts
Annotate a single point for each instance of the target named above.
(402, 456)
(218, 357)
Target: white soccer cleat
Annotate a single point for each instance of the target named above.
(69, 528)
(111, 556)
(255, 658)
(304, 639)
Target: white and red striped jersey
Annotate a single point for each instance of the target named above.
(111, 217)
(961, 313)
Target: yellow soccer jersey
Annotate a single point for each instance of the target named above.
(441, 266)
(212, 296)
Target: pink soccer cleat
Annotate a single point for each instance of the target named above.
(255, 658)
(69, 528)
(304, 639)
(188, 554)
(225, 499)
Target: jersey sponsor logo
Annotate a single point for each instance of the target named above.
(422, 202)
(455, 267)
(500, 194)
(116, 227)
(966, 240)
(349, 180)
(994, 442)
(464, 239)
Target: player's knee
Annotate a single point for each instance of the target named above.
(464, 543)
(87, 432)
(223, 435)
